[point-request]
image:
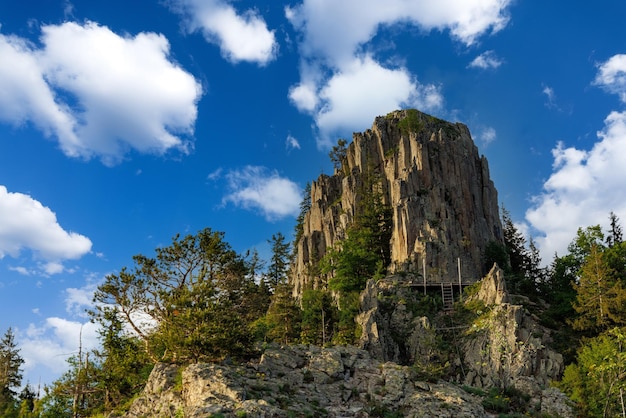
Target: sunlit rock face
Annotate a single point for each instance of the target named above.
(445, 206)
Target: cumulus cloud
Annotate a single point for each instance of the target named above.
(584, 187)
(485, 61)
(334, 55)
(99, 93)
(77, 300)
(26, 224)
(45, 348)
(241, 37)
(335, 29)
(612, 76)
(259, 188)
(351, 98)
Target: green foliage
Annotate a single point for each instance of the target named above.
(279, 261)
(411, 122)
(318, 317)
(10, 367)
(600, 295)
(365, 252)
(495, 252)
(190, 303)
(305, 206)
(597, 381)
(338, 154)
(283, 316)
(348, 306)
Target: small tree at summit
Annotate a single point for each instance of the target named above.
(338, 153)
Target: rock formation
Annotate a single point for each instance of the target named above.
(501, 344)
(445, 206)
(506, 346)
(308, 381)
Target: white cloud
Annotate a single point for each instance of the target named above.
(335, 29)
(352, 98)
(334, 41)
(79, 299)
(612, 76)
(21, 270)
(45, 348)
(584, 187)
(292, 143)
(241, 37)
(486, 60)
(487, 135)
(26, 224)
(259, 188)
(26, 94)
(118, 93)
(304, 96)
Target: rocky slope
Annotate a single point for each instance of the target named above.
(305, 381)
(445, 206)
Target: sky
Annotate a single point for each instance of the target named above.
(123, 124)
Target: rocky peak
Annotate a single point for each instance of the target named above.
(444, 204)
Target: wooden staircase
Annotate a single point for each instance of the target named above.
(447, 294)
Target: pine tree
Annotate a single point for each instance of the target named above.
(600, 296)
(283, 316)
(279, 261)
(187, 304)
(338, 154)
(10, 372)
(615, 234)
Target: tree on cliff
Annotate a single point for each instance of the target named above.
(365, 252)
(338, 153)
(187, 304)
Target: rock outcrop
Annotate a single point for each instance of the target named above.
(308, 381)
(300, 381)
(444, 204)
(489, 344)
(506, 346)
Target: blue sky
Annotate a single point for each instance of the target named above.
(124, 123)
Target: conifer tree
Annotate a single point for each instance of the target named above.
(600, 296)
(10, 372)
(279, 261)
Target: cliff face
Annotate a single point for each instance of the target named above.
(445, 206)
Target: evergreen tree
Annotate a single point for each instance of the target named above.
(365, 252)
(597, 380)
(318, 317)
(10, 373)
(615, 234)
(279, 262)
(338, 154)
(600, 297)
(283, 316)
(515, 244)
(305, 206)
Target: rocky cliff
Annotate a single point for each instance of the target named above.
(445, 206)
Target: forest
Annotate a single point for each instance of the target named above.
(197, 300)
